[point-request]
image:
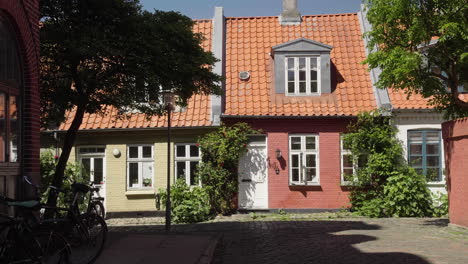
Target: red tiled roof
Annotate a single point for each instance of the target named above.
(197, 112)
(249, 42)
(400, 100)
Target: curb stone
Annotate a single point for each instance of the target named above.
(207, 256)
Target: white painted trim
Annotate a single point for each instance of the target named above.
(304, 152)
(296, 75)
(187, 159)
(104, 165)
(140, 167)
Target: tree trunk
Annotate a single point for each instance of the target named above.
(69, 140)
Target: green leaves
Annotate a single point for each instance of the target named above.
(415, 36)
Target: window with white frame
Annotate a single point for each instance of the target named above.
(348, 168)
(302, 76)
(424, 153)
(303, 159)
(140, 164)
(187, 157)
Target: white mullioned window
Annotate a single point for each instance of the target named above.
(302, 76)
(187, 157)
(304, 159)
(140, 164)
(348, 166)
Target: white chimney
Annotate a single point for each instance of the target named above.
(290, 14)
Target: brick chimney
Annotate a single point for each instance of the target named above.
(290, 14)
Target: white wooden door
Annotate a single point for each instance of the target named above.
(253, 180)
(92, 160)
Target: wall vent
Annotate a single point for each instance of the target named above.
(244, 75)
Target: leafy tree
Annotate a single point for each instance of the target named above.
(109, 53)
(402, 30)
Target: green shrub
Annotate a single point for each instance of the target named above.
(73, 173)
(385, 185)
(440, 204)
(188, 204)
(221, 151)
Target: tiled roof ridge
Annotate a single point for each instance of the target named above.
(200, 20)
(307, 16)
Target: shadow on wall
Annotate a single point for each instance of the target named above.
(289, 242)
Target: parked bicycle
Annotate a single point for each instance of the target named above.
(23, 240)
(95, 202)
(86, 233)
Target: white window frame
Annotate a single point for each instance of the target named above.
(344, 152)
(140, 160)
(302, 162)
(187, 159)
(94, 154)
(296, 75)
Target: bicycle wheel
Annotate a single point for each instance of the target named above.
(52, 248)
(89, 234)
(97, 207)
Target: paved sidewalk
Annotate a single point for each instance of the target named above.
(158, 248)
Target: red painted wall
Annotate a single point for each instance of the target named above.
(24, 16)
(329, 195)
(455, 135)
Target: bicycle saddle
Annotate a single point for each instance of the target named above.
(79, 187)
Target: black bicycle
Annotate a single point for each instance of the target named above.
(23, 240)
(86, 233)
(95, 203)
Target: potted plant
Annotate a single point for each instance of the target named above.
(147, 182)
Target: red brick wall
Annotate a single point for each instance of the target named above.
(24, 16)
(280, 195)
(455, 135)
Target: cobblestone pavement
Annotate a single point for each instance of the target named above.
(322, 238)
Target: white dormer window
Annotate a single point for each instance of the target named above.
(302, 76)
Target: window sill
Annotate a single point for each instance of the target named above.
(314, 184)
(139, 192)
(437, 184)
(347, 184)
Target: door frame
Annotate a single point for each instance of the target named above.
(265, 145)
(104, 167)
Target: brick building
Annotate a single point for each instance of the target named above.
(19, 94)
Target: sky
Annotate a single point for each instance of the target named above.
(197, 9)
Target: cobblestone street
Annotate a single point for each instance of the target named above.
(321, 239)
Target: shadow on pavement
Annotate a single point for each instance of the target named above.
(437, 222)
(290, 242)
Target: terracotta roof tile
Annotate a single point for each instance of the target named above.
(342, 31)
(197, 112)
(400, 100)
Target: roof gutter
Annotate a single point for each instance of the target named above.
(130, 129)
(285, 117)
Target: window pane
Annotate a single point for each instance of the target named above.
(415, 137)
(419, 171)
(147, 174)
(347, 161)
(432, 137)
(313, 75)
(193, 172)
(180, 170)
(348, 174)
(432, 149)
(310, 143)
(14, 129)
(295, 161)
(147, 152)
(291, 64)
(133, 174)
(133, 152)
(302, 76)
(302, 64)
(433, 161)
(2, 128)
(313, 87)
(194, 151)
(295, 175)
(310, 160)
(415, 161)
(291, 76)
(433, 174)
(180, 151)
(302, 87)
(310, 174)
(313, 64)
(296, 143)
(415, 149)
(290, 87)
(98, 171)
(86, 165)
(100, 150)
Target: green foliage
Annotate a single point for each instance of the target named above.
(221, 151)
(385, 185)
(440, 205)
(188, 204)
(73, 173)
(403, 30)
